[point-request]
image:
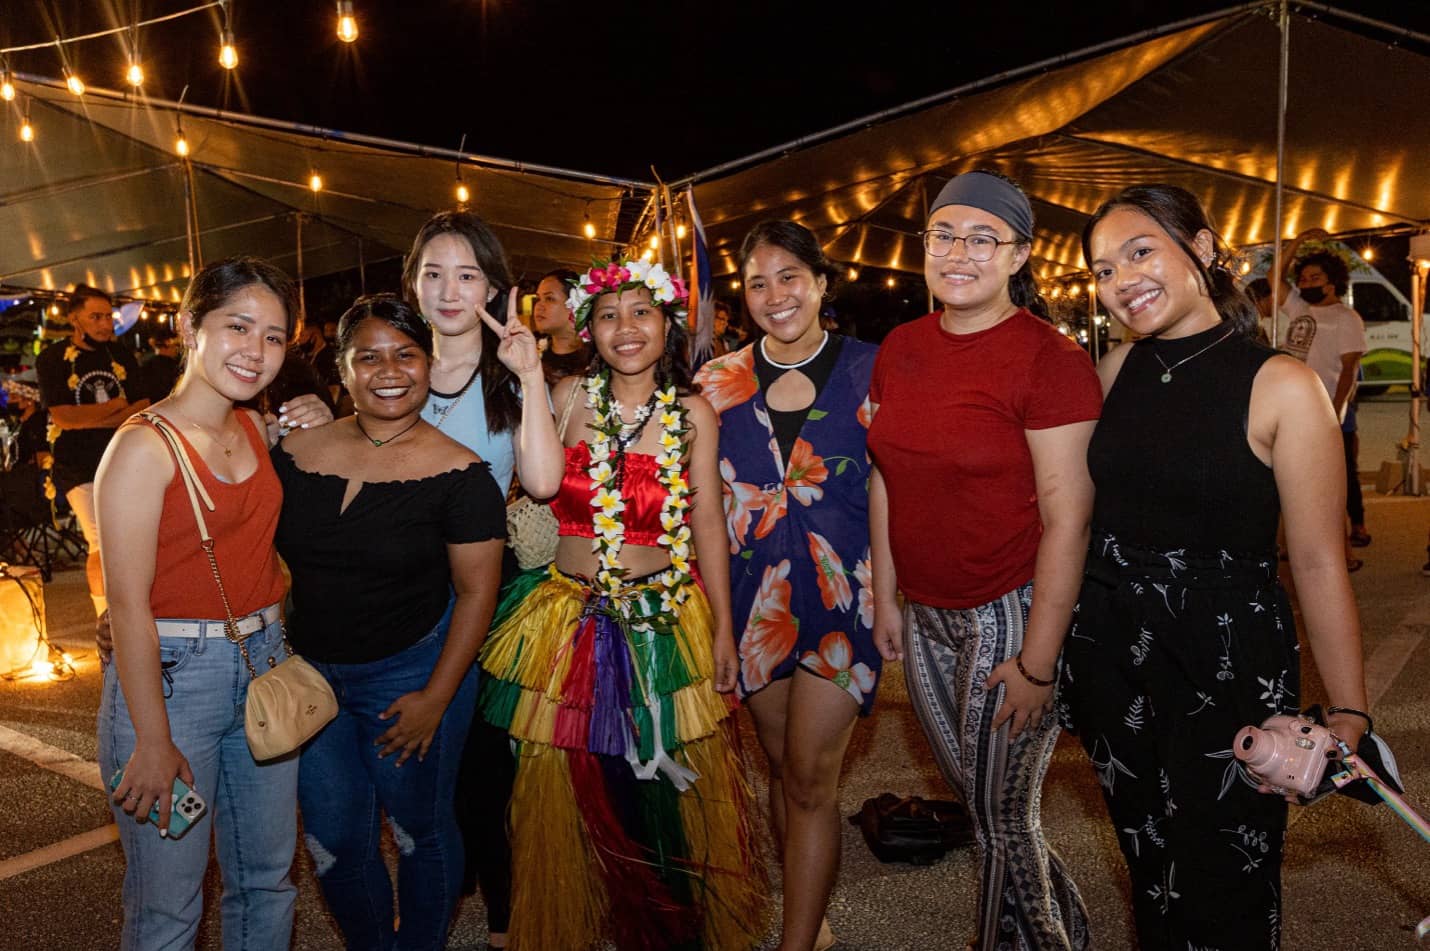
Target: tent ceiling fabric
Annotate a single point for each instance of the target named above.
(100, 199)
(1196, 108)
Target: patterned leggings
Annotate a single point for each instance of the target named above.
(1027, 901)
(1169, 655)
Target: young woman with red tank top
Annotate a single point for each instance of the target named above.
(173, 699)
(630, 814)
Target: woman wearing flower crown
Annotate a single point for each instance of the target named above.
(629, 818)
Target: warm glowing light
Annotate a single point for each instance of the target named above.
(181, 145)
(1091, 287)
(1368, 254)
(27, 131)
(590, 229)
(315, 182)
(227, 52)
(680, 232)
(135, 75)
(74, 83)
(54, 310)
(464, 194)
(890, 282)
(1075, 290)
(853, 274)
(1246, 267)
(734, 284)
(7, 87)
(347, 23)
(42, 669)
(647, 255)
(654, 242)
(1057, 292)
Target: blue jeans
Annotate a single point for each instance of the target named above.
(252, 808)
(343, 788)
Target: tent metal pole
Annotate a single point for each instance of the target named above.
(302, 301)
(1419, 270)
(362, 269)
(1277, 266)
(191, 219)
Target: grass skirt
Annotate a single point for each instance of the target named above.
(630, 817)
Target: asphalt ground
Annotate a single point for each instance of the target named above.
(1355, 877)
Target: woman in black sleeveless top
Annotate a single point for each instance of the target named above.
(1182, 634)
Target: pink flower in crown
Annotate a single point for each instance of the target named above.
(679, 285)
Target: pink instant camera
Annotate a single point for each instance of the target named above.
(1287, 753)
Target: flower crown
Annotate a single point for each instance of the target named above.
(622, 274)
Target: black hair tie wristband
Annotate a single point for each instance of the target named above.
(1369, 723)
(1035, 681)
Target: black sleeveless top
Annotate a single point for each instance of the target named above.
(1170, 460)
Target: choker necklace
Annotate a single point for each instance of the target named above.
(1167, 370)
(379, 443)
(792, 366)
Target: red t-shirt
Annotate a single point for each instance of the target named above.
(948, 437)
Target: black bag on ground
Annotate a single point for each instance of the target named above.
(912, 829)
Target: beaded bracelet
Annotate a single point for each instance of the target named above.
(1035, 681)
(1369, 723)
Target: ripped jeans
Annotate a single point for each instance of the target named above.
(343, 788)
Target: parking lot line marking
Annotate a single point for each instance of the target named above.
(66, 848)
(50, 757)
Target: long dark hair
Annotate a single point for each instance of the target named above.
(1178, 213)
(499, 387)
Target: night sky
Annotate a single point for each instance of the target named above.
(608, 88)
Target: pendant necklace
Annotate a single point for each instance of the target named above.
(764, 352)
(379, 443)
(1167, 370)
(221, 443)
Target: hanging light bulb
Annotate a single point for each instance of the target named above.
(655, 242)
(347, 23)
(227, 52)
(1368, 254)
(181, 145)
(590, 229)
(890, 281)
(315, 182)
(853, 274)
(7, 86)
(647, 254)
(27, 131)
(74, 83)
(464, 194)
(734, 284)
(135, 74)
(680, 232)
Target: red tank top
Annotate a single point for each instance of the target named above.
(641, 490)
(242, 524)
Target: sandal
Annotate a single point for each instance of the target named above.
(1359, 537)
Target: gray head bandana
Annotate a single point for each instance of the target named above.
(991, 194)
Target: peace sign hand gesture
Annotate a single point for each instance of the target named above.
(517, 344)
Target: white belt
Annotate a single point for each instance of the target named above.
(247, 625)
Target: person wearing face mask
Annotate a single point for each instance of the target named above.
(978, 513)
(1323, 332)
(83, 384)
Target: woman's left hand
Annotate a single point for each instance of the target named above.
(517, 349)
(1024, 702)
(418, 716)
(727, 662)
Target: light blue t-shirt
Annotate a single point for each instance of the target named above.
(463, 416)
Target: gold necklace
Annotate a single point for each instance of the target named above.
(221, 443)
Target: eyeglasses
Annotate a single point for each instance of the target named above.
(978, 247)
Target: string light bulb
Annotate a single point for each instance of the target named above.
(589, 228)
(890, 282)
(7, 86)
(853, 274)
(227, 52)
(1368, 254)
(27, 131)
(734, 284)
(680, 232)
(464, 194)
(74, 83)
(315, 182)
(347, 23)
(181, 145)
(135, 75)
(655, 242)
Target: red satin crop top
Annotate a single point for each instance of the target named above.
(641, 490)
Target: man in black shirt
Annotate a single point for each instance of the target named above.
(82, 382)
(159, 373)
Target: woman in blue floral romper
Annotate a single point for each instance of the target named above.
(794, 415)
